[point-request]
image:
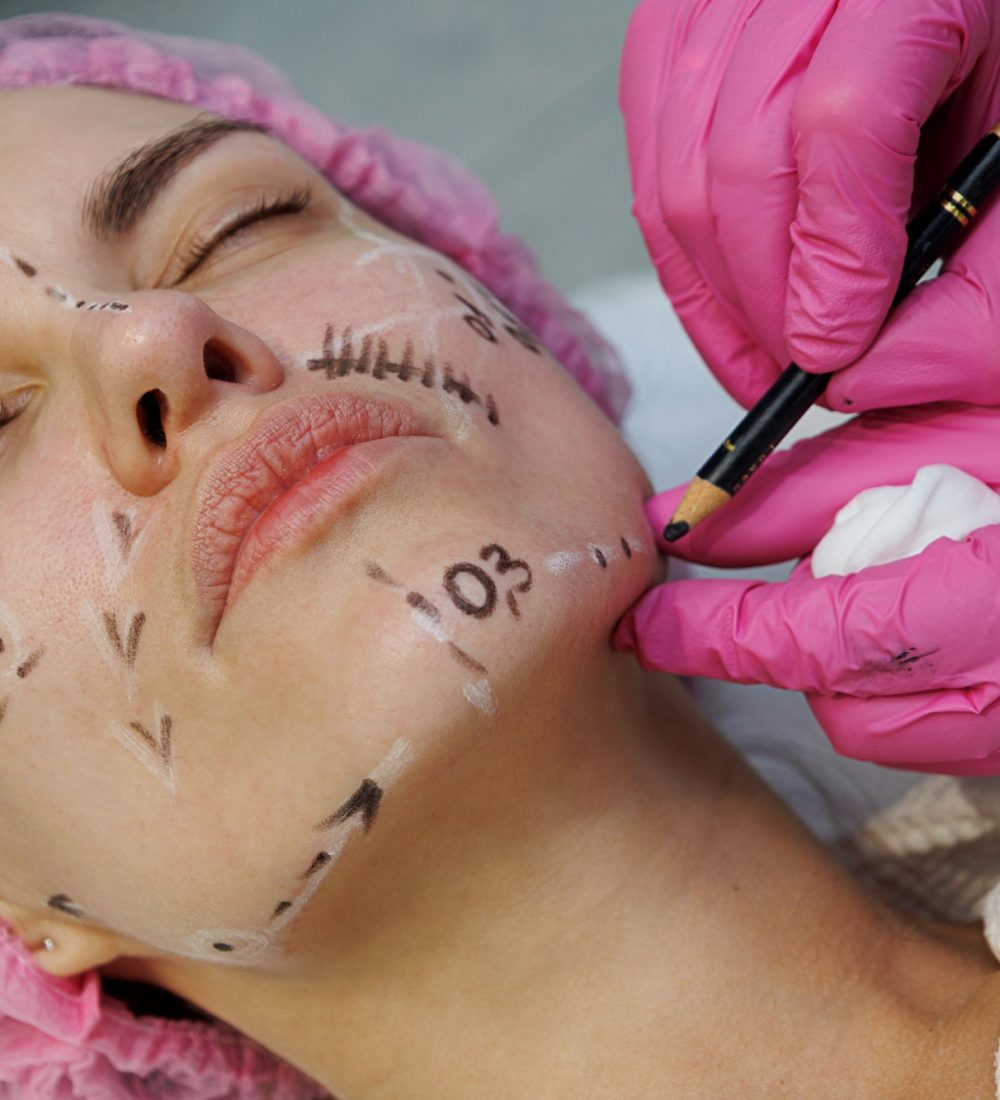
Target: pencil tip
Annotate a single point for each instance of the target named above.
(674, 531)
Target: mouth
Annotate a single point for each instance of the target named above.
(301, 464)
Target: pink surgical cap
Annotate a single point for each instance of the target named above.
(65, 1038)
(413, 188)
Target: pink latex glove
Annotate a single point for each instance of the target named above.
(777, 149)
(900, 662)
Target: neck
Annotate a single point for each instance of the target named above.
(623, 907)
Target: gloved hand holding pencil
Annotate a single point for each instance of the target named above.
(901, 661)
(775, 205)
(777, 149)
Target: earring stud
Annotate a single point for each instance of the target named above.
(49, 943)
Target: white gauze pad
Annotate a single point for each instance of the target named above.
(897, 521)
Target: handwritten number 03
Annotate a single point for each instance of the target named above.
(481, 604)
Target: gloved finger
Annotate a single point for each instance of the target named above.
(791, 501)
(940, 343)
(856, 131)
(735, 357)
(672, 60)
(953, 732)
(752, 182)
(925, 623)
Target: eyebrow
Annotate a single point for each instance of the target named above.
(120, 197)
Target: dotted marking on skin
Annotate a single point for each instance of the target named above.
(601, 556)
(428, 617)
(339, 358)
(349, 818)
(70, 301)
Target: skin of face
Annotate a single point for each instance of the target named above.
(318, 673)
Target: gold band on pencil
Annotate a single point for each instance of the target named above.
(954, 211)
(958, 198)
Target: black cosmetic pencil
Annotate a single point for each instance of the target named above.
(931, 233)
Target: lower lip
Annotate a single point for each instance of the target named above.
(301, 513)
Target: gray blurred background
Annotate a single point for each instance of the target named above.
(523, 92)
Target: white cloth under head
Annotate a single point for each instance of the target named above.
(897, 521)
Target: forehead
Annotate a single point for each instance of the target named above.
(55, 141)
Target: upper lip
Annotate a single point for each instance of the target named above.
(284, 443)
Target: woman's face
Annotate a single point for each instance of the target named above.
(283, 518)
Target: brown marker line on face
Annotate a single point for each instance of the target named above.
(423, 605)
(166, 726)
(111, 628)
(129, 649)
(3, 706)
(465, 659)
(144, 733)
(336, 365)
(65, 905)
(25, 268)
(365, 801)
(321, 859)
(26, 666)
(377, 573)
(626, 548)
(123, 525)
(134, 630)
(161, 746)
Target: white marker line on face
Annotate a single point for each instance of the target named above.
(562, 560)
(7, 257)
(244, 946)
(602, 555)
(437, 630)
(399, 757)
(377, 328)
(115, 661)
(140, 748)
(480, 694)
(118, 559)
(459, 416)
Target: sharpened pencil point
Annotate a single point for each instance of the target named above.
(674, 531)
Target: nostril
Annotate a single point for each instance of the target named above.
(220, 365)
(150, 410)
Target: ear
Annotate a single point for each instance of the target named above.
(79, 946)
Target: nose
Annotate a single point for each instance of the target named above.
(156, 370)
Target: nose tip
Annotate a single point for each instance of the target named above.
(160, 368)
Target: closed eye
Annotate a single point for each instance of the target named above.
(12, 407)
(201, 247)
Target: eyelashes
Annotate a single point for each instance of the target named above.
(12, 407)
(290, 202)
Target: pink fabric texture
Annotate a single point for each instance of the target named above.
(62, 1039)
